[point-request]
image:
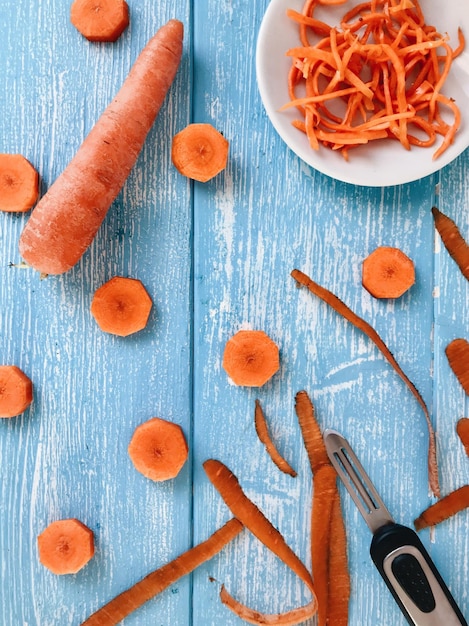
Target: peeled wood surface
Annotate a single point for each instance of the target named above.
(215, 258)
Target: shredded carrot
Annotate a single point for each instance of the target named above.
(262, 431)
(100, 20)
(252, 517)
(16, 391)
(154, 583)
(446, 507)
(462, 428)
(387, 272)
(375, 48)
(457, 352)
(454, 242)
(340, 307)
(328, 539)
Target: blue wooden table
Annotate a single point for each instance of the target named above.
(216, 258)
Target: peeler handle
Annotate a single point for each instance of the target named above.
(412, 578)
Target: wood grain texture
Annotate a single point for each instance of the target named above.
(215, 257)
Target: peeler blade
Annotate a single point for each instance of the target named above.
(356, 481)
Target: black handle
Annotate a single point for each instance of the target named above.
(413, 579)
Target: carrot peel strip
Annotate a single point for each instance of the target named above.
(454, 242)
(159, 580)
(457, 352)
(265, 438)
(462, 428)
(446, 507)
(340, 307)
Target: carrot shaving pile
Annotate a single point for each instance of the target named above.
(328, 539)
(340, 307)
(262, 431)
(377, 75)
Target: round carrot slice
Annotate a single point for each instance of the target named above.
(100, 20)
(387, 272)
(19, 184)
(16, 391)
(65, 546)
(158, 449)
(199, 152)
(251, 358)
(121, 306)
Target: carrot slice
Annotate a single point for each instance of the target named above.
(65, 546)
(387, 272)
(121, 306)
(154, 583)
(100, 20)
(289, 618)
(462, 428)
(67, 218)
(250, 358)
(457, 352)
(340, 307)
(328, 538)
(19, 184)
(454, 242)
(264, 436)
(446, 507)
(200, 152)
(252, 517)
(16, 391)
(158, 449)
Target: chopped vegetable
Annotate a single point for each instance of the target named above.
(457, 352)
(158, 449)
(100, 20)
(250, 515)
(65, 546)
(264, 436)
(454, 242)
(445, 508)
(65, 221)
(19, 184)
(462, 428)
(375, 76)
(121, 306)
(199, 152)
(251, 358)
(16, 391)
(340, 307)
(154, 583)
(387, 272)
(328, 539)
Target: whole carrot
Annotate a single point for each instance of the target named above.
(67, 218)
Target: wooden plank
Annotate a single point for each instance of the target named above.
(67, 455)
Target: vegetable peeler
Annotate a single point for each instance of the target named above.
(396, 550)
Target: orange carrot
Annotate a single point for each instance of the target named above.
(16, 391)
(445, 508)
(462, 428)
(121, 306)
(457, 352)
(373, 67)
(328, 539)
(65, 221)
(200, 152)
(19, 184)
(264, 436)
(288, 618)
(454, 242)
(158, 449)
(65, 546)
(159, 580)
(250, 515)
(340, 307)
(387, 272)
(100, 20)
(250, 358)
